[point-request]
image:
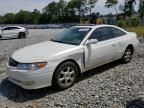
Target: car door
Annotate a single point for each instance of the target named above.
(15, 31)
(10, 32)
(121, 38)
(102, 52)
(7, 32)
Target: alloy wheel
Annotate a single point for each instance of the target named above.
(127, 55)
(67, 76)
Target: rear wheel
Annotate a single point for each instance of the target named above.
(127, 55)
(22, 35)
(0, 36)
(65, 75)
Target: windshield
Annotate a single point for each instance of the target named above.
(72, 36)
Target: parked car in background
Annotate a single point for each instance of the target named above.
(60, 61)
(13, 32)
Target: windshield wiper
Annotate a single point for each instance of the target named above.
(57, 41)
(63, 42)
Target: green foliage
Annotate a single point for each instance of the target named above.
(133, 22)
(52, 8)
(68, 12)
(121, 23)
(128, 8)
(79, 6)
(1, 20)
(55, 12)
(44, 18)
(111, 3)
(90, 5)
(141, 8)
(65, 11)
(24, 17)
(9, 18)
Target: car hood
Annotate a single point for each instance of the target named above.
(40, 52)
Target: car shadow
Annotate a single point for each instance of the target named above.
(98, 70)
(17, 94)
(138, 103)
(1, 39)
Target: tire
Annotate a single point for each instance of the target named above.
(127, 55)
(0, 36)
(22, 35)
(65, 75)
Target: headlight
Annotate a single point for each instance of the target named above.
(31, 66)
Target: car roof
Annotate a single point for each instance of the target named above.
(93, 26)
(12, 26)
(85, 25)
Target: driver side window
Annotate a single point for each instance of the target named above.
(102, 34)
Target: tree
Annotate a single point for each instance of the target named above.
(23, 17)
(36, 16)
(128, 8)
(44, 18)
(79, 6)
(9, 18)
(1, 20)
(61, 5)
(52, 10)
(141, 8)
(70, 9)
(112, 3)
(90, 5)
(70, 13)
(122, 10)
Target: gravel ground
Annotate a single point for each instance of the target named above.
(113, 85)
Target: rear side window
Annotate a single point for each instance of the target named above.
(11, 28)
(15, 28)
(102, 34)
(117, 33)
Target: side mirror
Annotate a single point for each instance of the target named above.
(91, 41)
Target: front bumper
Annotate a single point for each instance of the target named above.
(28, 80)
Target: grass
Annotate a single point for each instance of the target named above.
(139, 30)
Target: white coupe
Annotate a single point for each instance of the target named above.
(13, 32)
(60, 61)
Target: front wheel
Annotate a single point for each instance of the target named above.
(127, 55)
(65, 75)
(21, 35)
